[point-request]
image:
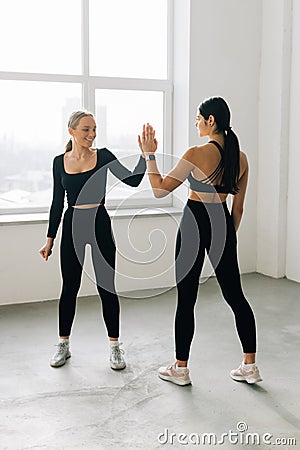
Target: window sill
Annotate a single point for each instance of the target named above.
(38, 218)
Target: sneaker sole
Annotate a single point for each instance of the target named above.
(62, 363)
(118, 368)
(249, 380)
(174, 380)
(253, 381)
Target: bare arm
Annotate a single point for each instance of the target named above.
(162, 186)
(239, 199)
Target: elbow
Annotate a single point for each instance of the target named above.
(241, 211)
(137, 182)
(238, 211)
(133, 181)
(160, 193)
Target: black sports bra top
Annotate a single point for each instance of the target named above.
(206, 184)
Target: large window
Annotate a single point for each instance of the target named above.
(109, 57)
(129, 38)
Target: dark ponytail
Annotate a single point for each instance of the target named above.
(231, 158)
(217, 107)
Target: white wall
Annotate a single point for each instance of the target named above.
(223, 44)
(24, 275)
(293, 210)
(273, 151)
(145, 259)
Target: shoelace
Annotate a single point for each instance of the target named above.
(117, 352)
(61, 348)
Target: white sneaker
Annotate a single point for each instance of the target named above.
(171, 373)
(117, 361)
(61, 355)
(251, 375)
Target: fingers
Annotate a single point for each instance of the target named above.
(140, 142)
(147, 140)
(148, 132)
(45, 253)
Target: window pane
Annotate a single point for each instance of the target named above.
(33, 117)
(128, 38)
(39, 36)
(120, 115)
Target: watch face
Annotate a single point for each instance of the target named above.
(151, 157)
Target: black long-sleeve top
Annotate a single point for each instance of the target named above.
(87, 187)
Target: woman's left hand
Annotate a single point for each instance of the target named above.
(148, 143)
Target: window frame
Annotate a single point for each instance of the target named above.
(89, 85)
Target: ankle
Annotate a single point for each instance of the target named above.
(181, 364)
(249, 358)
(248, 366)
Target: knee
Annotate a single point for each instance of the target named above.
(106, 286)
(238, 303)
(185, 309)
(70, 290)
(108, 296)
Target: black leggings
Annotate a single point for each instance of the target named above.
(80, 227)
(209, 226)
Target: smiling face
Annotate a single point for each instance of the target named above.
(85, 132)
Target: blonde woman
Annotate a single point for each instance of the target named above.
(80, 174)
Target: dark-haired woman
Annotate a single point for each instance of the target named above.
(81, 174)
(214, 170)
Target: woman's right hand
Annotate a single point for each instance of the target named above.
(46, 251)
(148, 142)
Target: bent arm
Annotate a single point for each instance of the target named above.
(162, 186)
(131, 178)
(239, 199)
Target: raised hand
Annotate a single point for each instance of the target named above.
(148, 142)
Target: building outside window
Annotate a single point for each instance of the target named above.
(112, 58)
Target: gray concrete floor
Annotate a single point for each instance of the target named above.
(87, 405)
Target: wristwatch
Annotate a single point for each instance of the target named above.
(150, 157)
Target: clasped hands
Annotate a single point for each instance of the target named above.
(147, 142)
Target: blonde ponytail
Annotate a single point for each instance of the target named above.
(73, 122)
(68, 146)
